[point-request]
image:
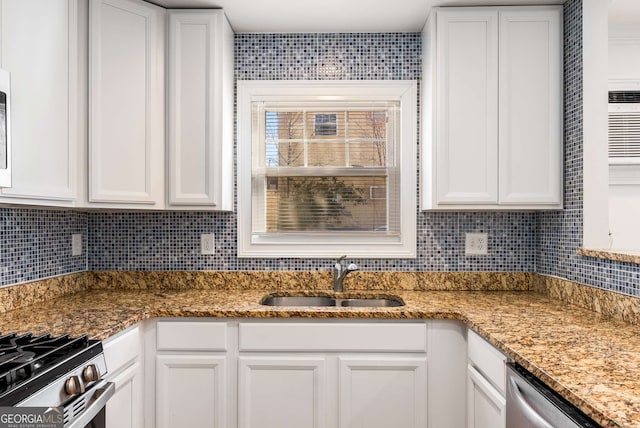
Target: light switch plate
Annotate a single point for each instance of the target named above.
(476, 244)
(76, 244)
(207, 244)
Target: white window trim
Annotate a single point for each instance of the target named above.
(404, 91)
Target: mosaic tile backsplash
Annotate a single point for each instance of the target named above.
(169, 241)
(35, 243)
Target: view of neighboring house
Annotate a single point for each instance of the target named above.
(328, 169)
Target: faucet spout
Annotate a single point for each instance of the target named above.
(340, 271)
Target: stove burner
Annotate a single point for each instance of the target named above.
(26, 360)
(25, 357)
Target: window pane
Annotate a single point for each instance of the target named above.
(288, 154)
(315, 176)
(327, 154)
(285, 125)
(320, 204)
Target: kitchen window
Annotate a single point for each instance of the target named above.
(326, 168)
(325, 124)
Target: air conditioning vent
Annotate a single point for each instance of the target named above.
(624, 127)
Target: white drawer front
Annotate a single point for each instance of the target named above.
(329, 337)
(487, 360)
(191, 336)
(121, 350)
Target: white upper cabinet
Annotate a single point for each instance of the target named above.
(39, 48)
(492, 105)
(467, 70)
(200, 141)
(126, 103)
(100, 73)
(530, 131)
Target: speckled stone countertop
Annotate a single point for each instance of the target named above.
(591, 360)
(627, 256)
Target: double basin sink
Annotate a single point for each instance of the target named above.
(329, 301)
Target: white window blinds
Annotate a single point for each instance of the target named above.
(325, 167)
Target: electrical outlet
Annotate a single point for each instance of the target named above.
(476, 244)
(76, 244)
(207, 244)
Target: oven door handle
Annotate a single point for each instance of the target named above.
(101, 394)
(530, 413)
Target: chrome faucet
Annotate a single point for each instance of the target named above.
(340, 271)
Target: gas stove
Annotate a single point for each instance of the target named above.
(55, 372)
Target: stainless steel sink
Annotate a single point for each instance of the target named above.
(326, 301)
(298, 301)
(372, 303)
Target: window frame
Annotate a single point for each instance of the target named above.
(328, 245)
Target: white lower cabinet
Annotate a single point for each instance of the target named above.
(123, 355)
(332, 374)
(124, 409)
(486, 404)
(210, 373)
(190, 391)
(190, 374)
(282, 392)
(382, 392)
(486, 407)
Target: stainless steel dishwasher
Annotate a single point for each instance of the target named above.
(532, 404)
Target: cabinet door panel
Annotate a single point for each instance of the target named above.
(126, 103)
(383, 392)
(39, 49)
(200, 82)
(530, 106)
(191, 109)
(124, 409)
(281, 392)
(190, 391)
(467, 106)
(486, 407)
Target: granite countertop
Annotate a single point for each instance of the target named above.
(592, 361)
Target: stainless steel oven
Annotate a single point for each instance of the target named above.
(62, 373)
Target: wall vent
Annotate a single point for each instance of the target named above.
(624, 127)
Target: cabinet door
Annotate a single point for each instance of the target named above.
(124, 409)
(382, 392)
(531, 105)
(282, 392)
(126, 108)
(467, 106)
(39, 49)
(190, 391)
(486, 407)
(199, 82)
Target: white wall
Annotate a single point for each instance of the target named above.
(624, 52)
(624, 212)
(624, 187)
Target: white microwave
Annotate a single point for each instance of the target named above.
(624, 127)
(5, 129)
